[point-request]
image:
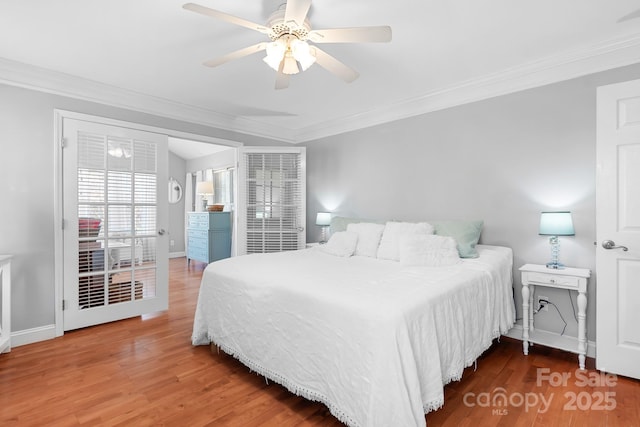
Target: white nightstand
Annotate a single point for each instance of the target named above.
(568, 278)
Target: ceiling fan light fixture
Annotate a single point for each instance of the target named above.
(118, 151)
(275, 54)
(302, 53)
(290, 65)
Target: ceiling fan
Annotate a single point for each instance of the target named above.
(633, 15)
(289, 31)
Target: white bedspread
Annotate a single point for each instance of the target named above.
(371, 339)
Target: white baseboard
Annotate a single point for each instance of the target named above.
(33, 335)
(177, 254)
(516, 333)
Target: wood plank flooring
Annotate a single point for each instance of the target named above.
(144, 372)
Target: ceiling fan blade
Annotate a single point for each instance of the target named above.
(334, 66)
(632, 15)
(380, 34)
(296, 11)
(236, 55)
(282, 80)
(225, 17)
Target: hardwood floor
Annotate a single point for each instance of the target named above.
(144, 372)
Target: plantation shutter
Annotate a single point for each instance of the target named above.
(273, 194)
(117, 195)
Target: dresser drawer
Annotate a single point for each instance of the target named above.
(199, 220)
(209, 220)
(552, 280)
(194, 242)
(198, 234)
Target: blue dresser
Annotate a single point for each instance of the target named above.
(208, 236)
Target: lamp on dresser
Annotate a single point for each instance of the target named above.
(204, 189)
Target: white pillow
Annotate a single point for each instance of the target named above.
(429, 250)
(369, 235)
(342, 243)
(394, 232)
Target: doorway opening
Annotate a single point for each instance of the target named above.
(205, 173)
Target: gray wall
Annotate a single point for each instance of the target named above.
(503, 160)
(26, 190)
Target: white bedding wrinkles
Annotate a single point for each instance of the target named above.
(374, 341)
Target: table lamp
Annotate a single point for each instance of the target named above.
(205, 189)
(323, 219)
(556, 224)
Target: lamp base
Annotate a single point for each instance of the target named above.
(555, 265)
(555, 250)
(323, 237)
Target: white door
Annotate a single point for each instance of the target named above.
(618, 227)
(115, 211)
(271, 199)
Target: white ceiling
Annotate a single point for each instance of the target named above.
(147, 55)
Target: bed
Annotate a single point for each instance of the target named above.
(373, 339)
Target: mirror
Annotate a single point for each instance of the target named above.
(175, 191)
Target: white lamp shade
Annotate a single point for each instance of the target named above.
(204, 187)
(323, 219)
(275, 54)
(290, 65)
(302, 53)
(556, 224)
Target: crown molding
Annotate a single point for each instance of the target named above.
(27, 76)
(580, 62)
(577, 63)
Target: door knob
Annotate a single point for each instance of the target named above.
(161, 232)
(610, 244)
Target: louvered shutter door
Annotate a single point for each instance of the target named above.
(274, 201)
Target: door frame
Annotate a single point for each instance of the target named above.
(58, 218)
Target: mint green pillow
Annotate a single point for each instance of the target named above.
(466, 234)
